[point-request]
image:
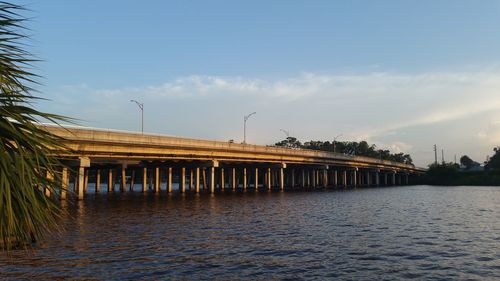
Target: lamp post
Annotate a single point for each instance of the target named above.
(245, 118)
(141, 106)
(287, 133)
(334, 140)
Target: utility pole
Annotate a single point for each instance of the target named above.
(455, 159)
(435, 155)
(442, 155)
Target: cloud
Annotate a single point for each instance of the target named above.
(311, 105)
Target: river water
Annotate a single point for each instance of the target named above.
(411, 232)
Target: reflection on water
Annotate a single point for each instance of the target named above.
(416, 232)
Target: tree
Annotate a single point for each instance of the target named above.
(494, 161)
(290, 142)
(466, 161)
(26, 162)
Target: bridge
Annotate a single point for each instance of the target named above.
(166, 163)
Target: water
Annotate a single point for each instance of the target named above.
(413, 232)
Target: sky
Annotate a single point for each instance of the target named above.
(404, 75)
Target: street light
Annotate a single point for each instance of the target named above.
(141, 106)
(287, 133)
(334, 140)
(245, 126)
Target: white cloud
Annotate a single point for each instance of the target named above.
(310, 105)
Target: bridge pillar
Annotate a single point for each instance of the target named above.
(157, 179)
(292, 179)
(183, 179)
(124, 179)
(98, 181)
(204, 178)
(335, 179)
(394, 178)
(368, 178)
(222, 179)
(144, 178)
(282, 179)
(256, 179)
(303, 179)
(110, 180)
(345, 178)
(245, 179)
(191, 177)
(406, 178)
(85, 181)
(197, 180)
(233, 179)
(269, 178)
(385, 179)
(212, 179)
(325, 178)
(84, 162)
(169, 180)
(64, 183)
(377, 178)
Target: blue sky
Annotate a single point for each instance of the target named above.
(401, 74)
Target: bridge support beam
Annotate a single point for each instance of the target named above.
(144, 178)
(256, 183)
(394, 178)
(212, 179)
(84, 162)
(222, 179)
(406, 179)
(183, 179)
(98, 181)
(169, 179)
(233, 179)
(197, 184)
(377, 178)
(269, 186)
(244, 179)
(123, 179)
(345, 179)
(157, 179)
(355, 178)
(282, 179)
(191, 177)
(64, 183)
(110, 180)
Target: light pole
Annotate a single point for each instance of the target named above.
(287, 133)
(245, 118)
(141, 106)
(334, 140)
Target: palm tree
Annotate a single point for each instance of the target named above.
(27, 162)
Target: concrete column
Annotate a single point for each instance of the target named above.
(110, 180)
(292, 182)
(191, 177)
(406, 179)
(169, 179)
(245, 179)
(183, 179)
(282, 179)
(81, 179)
(313, 176)
(144, 178)
(233, 179)
(204, 177)
(132, 178)
(222, 179)
(157, 179)
(385, 179)
(394, 178)
(377, 178)
(256, 179)
(124, 180)
(98, 181)
(325, 178)
(86, 181)
(368, 178)
(345, 178)
(269, 179)
(50, 178)
(197, 180)
(64, 183)
(212, 179)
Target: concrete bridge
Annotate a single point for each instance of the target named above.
(168, 163)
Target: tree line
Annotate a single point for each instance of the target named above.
(361, 148)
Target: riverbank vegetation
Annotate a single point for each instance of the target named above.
(464, 174)
(361, 148)
(29, 175)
